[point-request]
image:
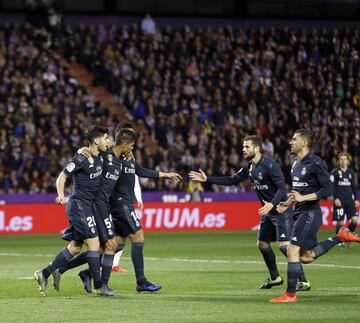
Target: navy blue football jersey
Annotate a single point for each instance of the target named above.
(86, 175)
(124, 188)
(310, 175)
(112, 167)
(266, 177)
(344, 184)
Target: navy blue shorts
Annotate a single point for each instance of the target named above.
(82, 224)
(306, 226)
(104, 222)
(347, 208)
(126, 220)
(276, 227)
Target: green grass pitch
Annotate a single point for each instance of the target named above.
(206, 277)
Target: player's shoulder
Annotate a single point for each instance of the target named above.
(334, 170)
(80, 159)
(316, 159)
(244, 168)
(269, 162)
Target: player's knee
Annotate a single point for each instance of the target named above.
(293, 252)
(354, 219)
(138, 237)
(74, 247)
(120, 240)
(262, 244)
(93, 245)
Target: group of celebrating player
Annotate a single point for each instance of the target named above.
(101, 209)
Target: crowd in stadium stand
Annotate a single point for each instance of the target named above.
(43, 111)
(198, 92)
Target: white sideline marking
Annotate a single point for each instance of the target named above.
(190, 260)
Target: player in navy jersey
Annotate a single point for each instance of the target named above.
(126, 220)
(86, 175)
(111, 172)
(345, 195)
(268, 181)
(310, 183)
(137, 191)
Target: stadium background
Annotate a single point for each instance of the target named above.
(193, 88)
(212, 72)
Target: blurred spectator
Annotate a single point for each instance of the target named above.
(148, 26)
(197, 94)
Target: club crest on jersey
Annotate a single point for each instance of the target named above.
(110, 159)
(260, 176)
(132, 165)
(303, 171)
(340, 173)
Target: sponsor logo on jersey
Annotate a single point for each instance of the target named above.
(94, 175)
(129, 170)
(299, 184)
(111, 176)
(344, 182)
(258, 186)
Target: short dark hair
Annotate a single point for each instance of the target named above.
(95, 132)
(255, 140)
(307, 135)
(122, 125)
(125, 136)
(344, 153)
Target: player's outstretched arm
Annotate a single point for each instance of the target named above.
(199, 176)
(60, 188)
(171, 175)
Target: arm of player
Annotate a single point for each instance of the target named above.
(323, 179)
(266, 208)
(334, 179)
(353, 187)
(138, 195)
(149, 173)
(60, 188)
(85, 151)
(277, 178)
(171, 175)
(284, 205)
(200, 176)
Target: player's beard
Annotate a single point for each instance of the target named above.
(249, 156)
